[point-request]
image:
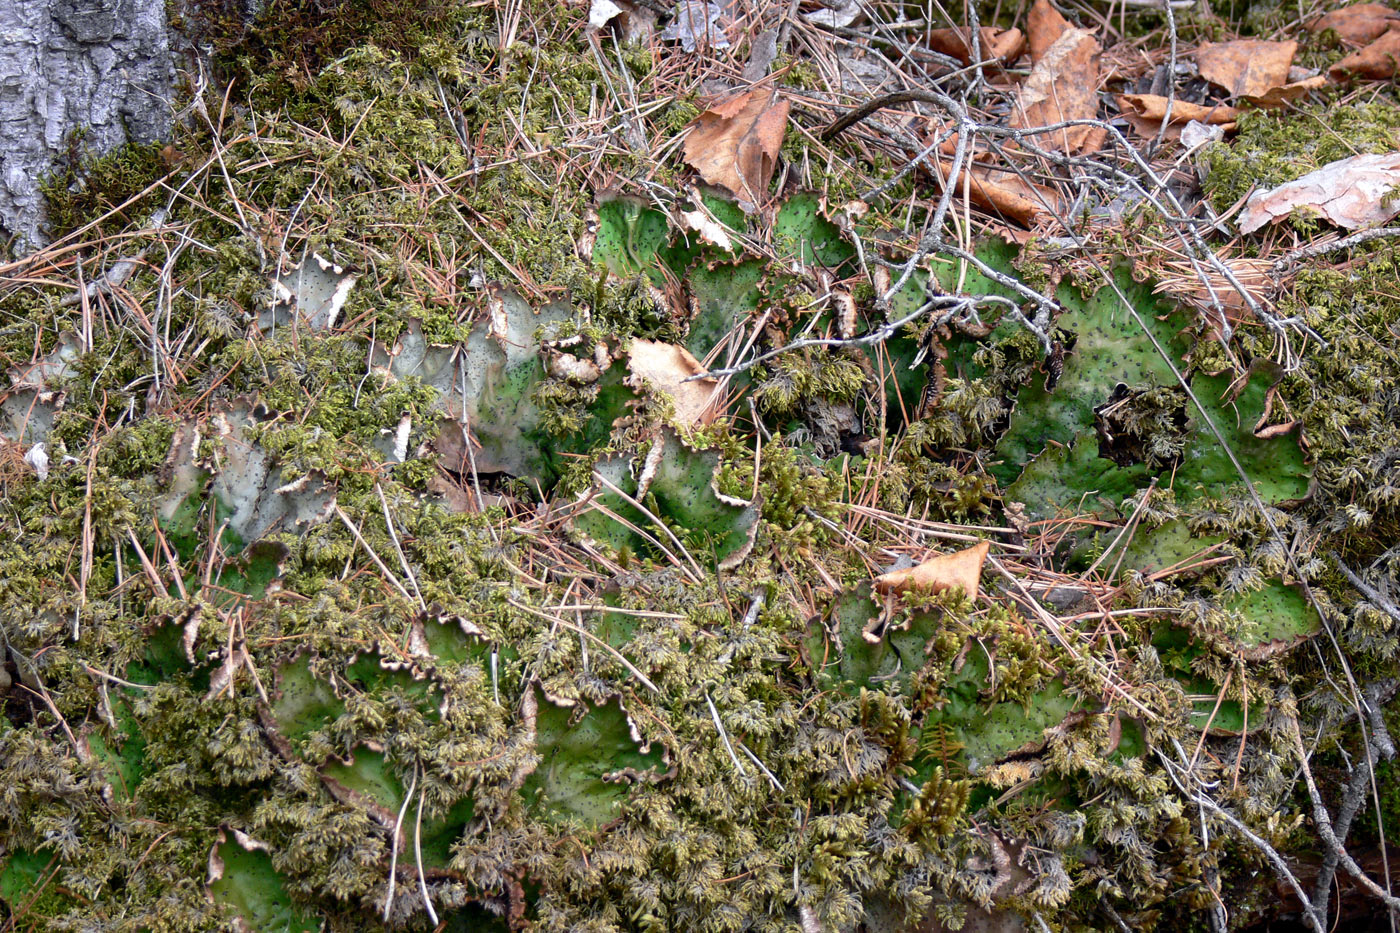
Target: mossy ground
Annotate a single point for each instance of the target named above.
(541, 718)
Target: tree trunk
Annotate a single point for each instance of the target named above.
(81, 76)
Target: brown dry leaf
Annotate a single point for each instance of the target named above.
(1043, 27)
(1278, 96)
(1350, 193)
(1002, 192)
(1246, 67)
(1359, 24)
(1175, 132)
(1154, 107)
(999, 45)
(1062, 86)
(666, 367)
(1005, 193)
(1376, 61)
(959, 569)
(1145, 112)
(735, 143)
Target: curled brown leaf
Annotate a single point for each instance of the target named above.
(961, 569)
(997, 45)
(1358, 24)
(735, 143)
(1376, 61)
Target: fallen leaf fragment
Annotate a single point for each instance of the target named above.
(666, 367)
(1246, 67)
(1359, 24)
(602, 12)
(1145, 113)
(1043, 26)
(1063, 86)
(697, 24)
(1352, 192)
(763, 51)
(1154, 107)
(1196, 134)
(635, 22)
(735, 143)
(709, 230)
(996, 45)
(1005, 193)
(958, 569)
(1287, 93)
(839, 16)
(38, 459)
(1376, 61)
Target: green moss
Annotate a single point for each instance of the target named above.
(83, 187)
(736, 714)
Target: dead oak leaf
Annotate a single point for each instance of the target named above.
(1154, 107)
(1351, 192)
(1376, 61)
(1286, 94)
(996, 45)
(961, 569)
(735, 143)
(1145, 113)
(1044, 25)
(1005, 193)
(1358, 24)
(1063, 86)
(1246, 67)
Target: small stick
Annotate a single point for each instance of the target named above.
(394, 536)
(369, 550)
(418, 856)
(714, 714)
(394, 845)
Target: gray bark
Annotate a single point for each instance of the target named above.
(102, 67)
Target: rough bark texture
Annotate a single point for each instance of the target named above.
(99, 67)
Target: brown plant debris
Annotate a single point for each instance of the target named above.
(1247, 67)
(1044, 25)
(959, 569)
(667, 368)
(1376, 61)
(1063, 86)
(1146, 112)
(735, 143)
(1359, 24)
(998, 45)
(1005, 193)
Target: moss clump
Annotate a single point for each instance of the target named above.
(265, 611)
(287, 43)
(83, 187)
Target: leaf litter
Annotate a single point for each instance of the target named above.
(734, 144)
